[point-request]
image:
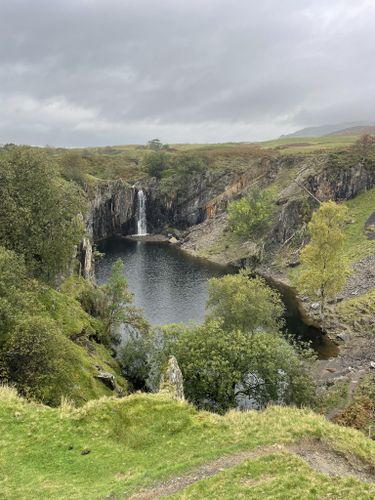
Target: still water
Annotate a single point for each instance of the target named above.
(168, 284)
(171, 287)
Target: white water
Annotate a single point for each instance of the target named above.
(141, 214)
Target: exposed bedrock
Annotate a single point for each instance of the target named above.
(112, 209)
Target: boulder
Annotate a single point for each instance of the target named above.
(171, 381)
(108, 379)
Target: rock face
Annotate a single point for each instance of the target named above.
(112, 209)
(171, 381)
(86, 259)
(191, 205)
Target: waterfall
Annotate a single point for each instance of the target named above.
(141, 214)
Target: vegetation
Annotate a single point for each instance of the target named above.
(136, 441)
(222, 367)
(323, 269)
(237, 353)
(40, 214)
(244, 303)
(250, 215)
(52, 339)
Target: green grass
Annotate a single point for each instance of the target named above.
(295, 145)
(280, 475)
(357, 245)
(140, 439)
(361, 308)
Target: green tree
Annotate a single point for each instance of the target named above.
(323, 267)
(116, 305)
(40, 214)
(244, 303)
(155, 144)
(251, 215)
(219, 366)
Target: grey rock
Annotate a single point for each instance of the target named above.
(372, 365)
(171, 381)
(108, 379)
(343, 337)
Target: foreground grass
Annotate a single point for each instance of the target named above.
(279, 475)
(137, 440)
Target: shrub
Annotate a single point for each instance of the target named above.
(251, 215)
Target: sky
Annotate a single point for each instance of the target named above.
(104, 72)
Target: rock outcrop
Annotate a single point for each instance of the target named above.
(171, 381)
(112, 209)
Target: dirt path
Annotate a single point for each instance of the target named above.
(316, 454)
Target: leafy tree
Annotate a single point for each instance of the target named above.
(244, 303)
(156, 163)
(115, 305)
(219, 366)
(323, 268)
(155, 144)
(251, 214)
(39, 212)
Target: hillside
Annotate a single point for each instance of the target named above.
(322, 130)
(115, 448)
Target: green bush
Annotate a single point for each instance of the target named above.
(251, 215)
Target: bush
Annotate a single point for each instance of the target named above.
(251, 215)
(155, 164)
(31, 356)
(244, 303)
(221, 367)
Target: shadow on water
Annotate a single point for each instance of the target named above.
(300, 325)
(171, 286)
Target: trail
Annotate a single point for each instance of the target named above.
(316, 454)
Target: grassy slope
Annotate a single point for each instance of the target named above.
(142, 438)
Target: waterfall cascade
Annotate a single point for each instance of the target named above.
(141, 214)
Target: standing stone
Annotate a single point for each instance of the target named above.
(171, 381)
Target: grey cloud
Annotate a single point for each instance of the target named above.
(87, 72)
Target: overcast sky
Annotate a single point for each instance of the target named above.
(98, 72)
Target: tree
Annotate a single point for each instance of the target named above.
(244, 303)
(156, 163)
(155, 144)
(115, 308)
(251, 214)
(219, 366)
(323, 268)
(40, 213)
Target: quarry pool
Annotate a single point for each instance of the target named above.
(171, 286)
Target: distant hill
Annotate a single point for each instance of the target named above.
(336, 129)
(360, 130)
